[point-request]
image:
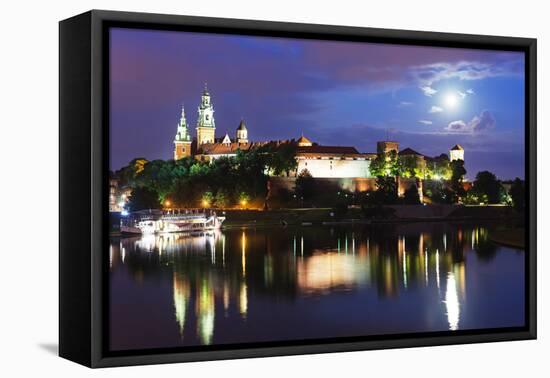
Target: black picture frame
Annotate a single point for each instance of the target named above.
(83, 180)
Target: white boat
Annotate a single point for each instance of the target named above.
(159, 221)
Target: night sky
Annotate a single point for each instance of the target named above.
(335, 93)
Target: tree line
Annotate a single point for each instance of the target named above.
(242, 181)
(224, 182)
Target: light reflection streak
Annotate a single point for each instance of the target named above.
(404, 264)
(426, 266)
(243, 254)
(243, 300)
(451, 302)
(223, 250)
(437, 267)
(181, 293)
(205, 311)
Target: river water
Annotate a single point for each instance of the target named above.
(275, 284)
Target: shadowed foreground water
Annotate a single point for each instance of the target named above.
(274, 284)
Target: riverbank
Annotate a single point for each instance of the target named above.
(509, 237)
(389, 214)
(356, 215)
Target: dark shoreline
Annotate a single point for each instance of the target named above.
(355, 216)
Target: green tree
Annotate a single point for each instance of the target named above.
(386, 192)
(127, 175)
(305, 186)
(408, 166)
(281, 159)
(222, 199)
(517, 192)
(385, 164)
(207, 199)
(411, 196)
(487, 184)
(143, 199)
(437, 192)
(457, 179)
(440, 169)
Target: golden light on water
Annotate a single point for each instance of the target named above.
(181, 294)
(243, 253)
(324, 271)
(205, 311)
(243, 300)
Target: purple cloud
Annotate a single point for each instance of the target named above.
(463, 70)
(479, 123)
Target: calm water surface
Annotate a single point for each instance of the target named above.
(274, 284)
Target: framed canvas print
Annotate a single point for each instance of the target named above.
(233, 188)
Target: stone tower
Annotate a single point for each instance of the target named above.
(385, 146)
(206, 127)
(182, 141)
(242, 133)
(456, 153)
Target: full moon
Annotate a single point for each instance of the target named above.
(450, 100)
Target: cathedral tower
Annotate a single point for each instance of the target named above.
(182, 141)
(206, 127)
(242, 133)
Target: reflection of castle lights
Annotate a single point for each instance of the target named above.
(223, 250)
(451, 302)
(212, 243)
(110, 256)
(181, 294)
(147, 242)
(205, 313)
(243, 254)
(426, 266)
(243, 300)
(225, 296)
(324, 271)
(405, 283)
(437, 267)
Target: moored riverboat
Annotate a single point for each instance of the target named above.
(168, 221)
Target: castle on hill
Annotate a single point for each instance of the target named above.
(320, 160)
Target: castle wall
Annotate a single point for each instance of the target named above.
(351, 184)
(335, 168)
(405, 183)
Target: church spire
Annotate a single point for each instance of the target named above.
(182, 133)
(182, 140)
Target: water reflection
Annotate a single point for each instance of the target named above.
(234, 295)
